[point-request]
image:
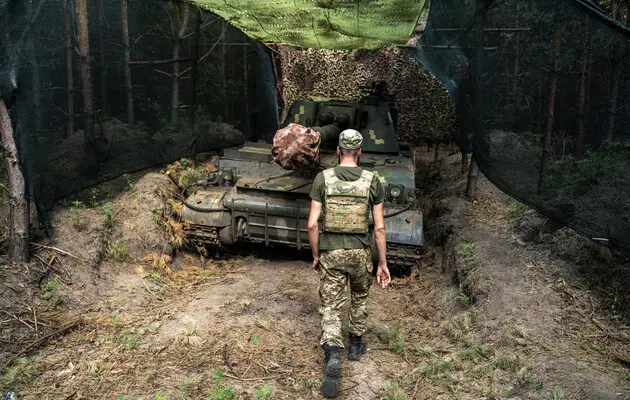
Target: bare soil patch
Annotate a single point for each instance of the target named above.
(503, 306)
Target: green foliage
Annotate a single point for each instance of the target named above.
(130, 183)
(128, 341)
(187, 385)
(466, 250)
(52, 292)
(264, 392)
(159, 396)
(576, 175)
(394, 392)
(465, 300)
(393, 337)
(123, 397)
(21, 371)
(185, 163)
(155, 278)
(555, 394)
(254, 340)
(108, 216)
(472, 352)
(516, 209)
(118, 251)
(77, 204)
(220, 391)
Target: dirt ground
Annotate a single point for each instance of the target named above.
(504, 305)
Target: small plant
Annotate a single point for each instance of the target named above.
(185, 163)
(118, 251)
(123, 397)
(264, 392)
(107, 215)
(220, 391)
(465, 300)
(254, 340)
(555, 394)
(155, 278)
(159, 396)
(130, 183)
(395, 392)
(394, 337)
(466, 250)
(52, 292)
(472, 352)
(304, 385)
(516, 209)
(77, 204)
(94, 197)
(128, 341)
(187, 385)
(625, 377)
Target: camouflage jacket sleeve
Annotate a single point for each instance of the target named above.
(317, 191)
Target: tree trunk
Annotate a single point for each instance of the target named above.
(86, 73)
(614, 82)
(246, 89)
(69, 67)
(480, 23)
(102, 59)
(193, 84)
(127, 60)
(181, 18)
(584, 73)
(551, 106)
(19, 218)
(224, 72)
(473, 177)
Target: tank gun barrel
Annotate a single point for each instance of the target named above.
(330, 133)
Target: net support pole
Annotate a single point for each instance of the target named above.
(19, 219)
(480, 22)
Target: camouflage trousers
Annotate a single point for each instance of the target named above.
(338, 267)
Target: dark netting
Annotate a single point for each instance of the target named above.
(70, 139)
(550, 123)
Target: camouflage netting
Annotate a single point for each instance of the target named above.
(322, 24)
(543, 97)
(426, 110)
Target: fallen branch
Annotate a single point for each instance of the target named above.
(150, 292)
(415, 387)
(37, 343)
(65, 253)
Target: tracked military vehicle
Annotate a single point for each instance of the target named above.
(252, 199)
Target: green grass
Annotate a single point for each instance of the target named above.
(21, 371)
(473, 352)
(107, 216)
(128, 341)
(516, 209)
(52, 292)
(466, 250)
(118, 251)
(555, 394)
(264, 392)
(219, 390)
(393, 337)
(394, 392)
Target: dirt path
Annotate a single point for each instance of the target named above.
(490, 313)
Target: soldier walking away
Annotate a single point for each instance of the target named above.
(346, 193)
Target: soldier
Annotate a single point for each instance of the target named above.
(347, 193)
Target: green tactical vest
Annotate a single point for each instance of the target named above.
(346, 203)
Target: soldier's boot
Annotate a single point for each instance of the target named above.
(332, 371)
(356, 348)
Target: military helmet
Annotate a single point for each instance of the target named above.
(350, 139)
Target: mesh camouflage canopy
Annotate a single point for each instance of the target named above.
(325, 24)
(542, 92)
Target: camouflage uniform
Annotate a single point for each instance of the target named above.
(339, 266)
(347, 194)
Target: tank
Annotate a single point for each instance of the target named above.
(252, 199)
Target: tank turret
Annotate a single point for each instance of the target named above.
(269, 203)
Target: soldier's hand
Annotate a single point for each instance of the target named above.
(382, 275)
(316, 265)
